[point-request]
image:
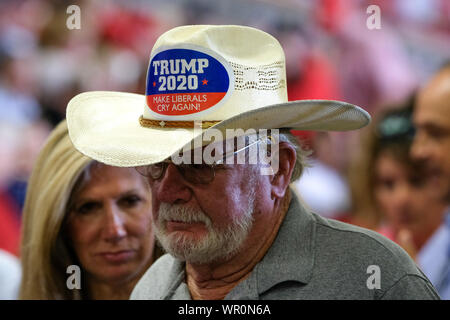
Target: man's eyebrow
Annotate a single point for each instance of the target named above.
(435, 127)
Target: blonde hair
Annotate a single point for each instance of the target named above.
(44, 252)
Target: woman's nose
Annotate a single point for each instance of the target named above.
(403, 196)
(114, 224)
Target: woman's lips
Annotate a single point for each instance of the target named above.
(117, 256)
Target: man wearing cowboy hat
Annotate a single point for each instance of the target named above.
(233, 229)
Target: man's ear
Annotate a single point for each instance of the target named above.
(281, 179)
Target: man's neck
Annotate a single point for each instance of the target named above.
(215, 281)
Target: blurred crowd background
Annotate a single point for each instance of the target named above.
(330, 54)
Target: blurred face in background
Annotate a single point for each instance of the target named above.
(406, 197)
(110, 224)
(432, 119)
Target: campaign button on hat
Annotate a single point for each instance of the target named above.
(184, 83)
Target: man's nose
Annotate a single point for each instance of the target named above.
(172, 188)
(114, 228)
(420, 148)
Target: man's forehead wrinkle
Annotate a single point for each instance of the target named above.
(432, 108)
(435, 98)
(429, 120)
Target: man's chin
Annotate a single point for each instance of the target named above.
(440, 181)
(191, 256)
(183, 246)
(197, 249)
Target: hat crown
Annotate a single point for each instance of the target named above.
(238, 44)
(221, 71)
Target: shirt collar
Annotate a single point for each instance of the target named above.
(176, 276)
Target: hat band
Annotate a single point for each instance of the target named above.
(147, 123)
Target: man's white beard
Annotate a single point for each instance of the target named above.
(215, 245)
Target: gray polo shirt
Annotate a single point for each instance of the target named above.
(311, 258)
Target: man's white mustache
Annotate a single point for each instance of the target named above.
(181, 213)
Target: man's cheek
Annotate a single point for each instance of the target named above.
(155, 210)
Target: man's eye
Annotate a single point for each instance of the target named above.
(221, 166)
(201, 166)
(437, 133)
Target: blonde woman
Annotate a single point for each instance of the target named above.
(84, 216)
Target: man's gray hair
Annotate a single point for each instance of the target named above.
(302, 154)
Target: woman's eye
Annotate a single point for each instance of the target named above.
(417, 181)
(87, 207)
(131, 201)
(386, 183)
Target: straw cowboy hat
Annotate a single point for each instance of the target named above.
(200, 78)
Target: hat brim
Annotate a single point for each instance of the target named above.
(105, 125)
